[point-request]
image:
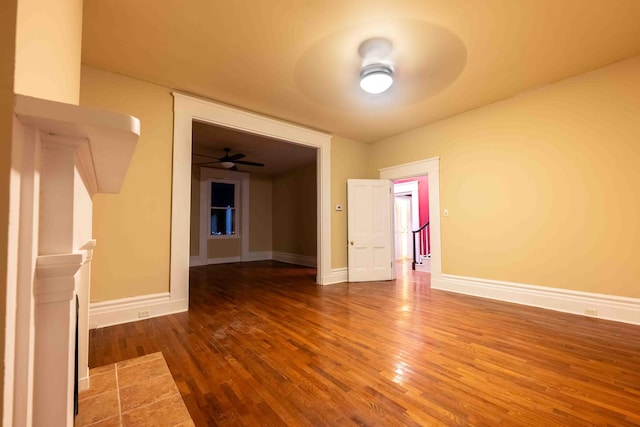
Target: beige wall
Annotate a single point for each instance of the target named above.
(7, 60)
(260, 219)
(541, 188)
(48, 46)
(294, 212)
(132, 228)
(224, 247)
(348, 160)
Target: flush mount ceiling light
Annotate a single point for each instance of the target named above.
(376, 74)
(376, 78)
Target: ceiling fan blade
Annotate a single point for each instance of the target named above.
(236, 156)
(206, 163)
(204, 155)
(234, 168)
(242, 162)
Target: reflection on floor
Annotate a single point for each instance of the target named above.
(136, 392)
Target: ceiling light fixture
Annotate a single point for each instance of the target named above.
(227, 165)
(376, 78)
(376, 74)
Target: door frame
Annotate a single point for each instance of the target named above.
(431, 168)
(186, 110)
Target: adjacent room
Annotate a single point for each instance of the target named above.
(299, 213)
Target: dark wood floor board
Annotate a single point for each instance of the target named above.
(263, 345)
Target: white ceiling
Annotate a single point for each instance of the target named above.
(298, 61)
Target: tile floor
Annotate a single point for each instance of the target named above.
(136, 392)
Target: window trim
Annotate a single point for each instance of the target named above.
(208, 175)
(238, 208)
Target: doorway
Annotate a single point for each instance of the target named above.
(186, 109)
(430, 168)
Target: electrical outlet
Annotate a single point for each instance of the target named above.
(591, 312)
(145, 313)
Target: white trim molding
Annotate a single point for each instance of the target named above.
(224, 260)
(609, 307)
(305, 260)
(338, 275)
(257, 256)
(124, 310)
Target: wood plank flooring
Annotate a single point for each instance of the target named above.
(263, 345)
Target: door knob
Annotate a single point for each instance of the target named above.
(351, 242)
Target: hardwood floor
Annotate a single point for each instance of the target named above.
(263, 345)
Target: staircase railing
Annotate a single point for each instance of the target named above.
(423, 244)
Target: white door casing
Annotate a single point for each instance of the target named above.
(430, 167)
(370, 229)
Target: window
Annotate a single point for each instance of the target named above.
(224, 196)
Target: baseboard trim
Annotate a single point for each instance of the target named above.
(258, 256)
(609, 307)
(305, 260)
(337, 275)
(124, 310)
(226, 260)
(83, 383)
(195, 261)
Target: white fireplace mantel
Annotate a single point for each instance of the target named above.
(61, 156)
(111, 137)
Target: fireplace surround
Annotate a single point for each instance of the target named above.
(61, 156)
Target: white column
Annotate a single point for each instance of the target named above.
(56, 281)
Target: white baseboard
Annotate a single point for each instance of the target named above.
(337, 275)
(83, 383)
(195, 261)
(226, 260)
(258, 256)
(114, 312)
(305, 260)
(610, 307)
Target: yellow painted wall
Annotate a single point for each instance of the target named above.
(294, 212)
(541, 188)
(260, 219)
(48, 45)
(348, 160)
(7, 60)
(132, 228)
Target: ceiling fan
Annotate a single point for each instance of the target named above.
(226, 161)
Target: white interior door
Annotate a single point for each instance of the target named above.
(404, 249)
(370, 229)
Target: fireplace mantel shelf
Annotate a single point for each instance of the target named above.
(106, 140)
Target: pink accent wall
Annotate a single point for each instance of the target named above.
(423, 196)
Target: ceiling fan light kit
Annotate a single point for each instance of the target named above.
(227, 161)
(376, 74)
(376, 78)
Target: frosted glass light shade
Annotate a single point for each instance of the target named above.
(376, 78)
(227, 165)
